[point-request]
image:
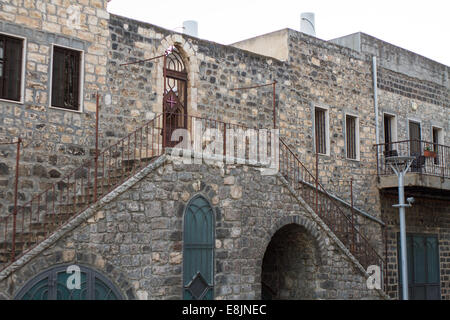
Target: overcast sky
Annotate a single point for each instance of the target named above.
(422, 26)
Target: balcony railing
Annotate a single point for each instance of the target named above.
(430, 158)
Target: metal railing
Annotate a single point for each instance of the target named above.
(430, 158)
(36, 220)
(47, 212)
(327, 208)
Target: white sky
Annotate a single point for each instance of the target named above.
(422, 26)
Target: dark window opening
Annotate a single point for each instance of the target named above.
(351, 137)
(66, 78)
(320, 130)
(11, 53)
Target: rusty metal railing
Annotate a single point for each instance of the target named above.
(430, 158)
(50, 210)
(327, 208)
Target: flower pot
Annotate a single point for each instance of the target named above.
(429, 154)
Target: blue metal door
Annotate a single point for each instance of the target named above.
(198, 255)
(423, 267)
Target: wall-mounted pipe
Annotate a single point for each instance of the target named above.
(375, 98)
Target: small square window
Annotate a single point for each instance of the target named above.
(66, 76)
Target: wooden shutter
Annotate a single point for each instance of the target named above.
(351, 137)
(58, 78)
(320, 128)
(415, 137)
(11, 75)
(66, 78)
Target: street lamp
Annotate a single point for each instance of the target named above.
(400, 165)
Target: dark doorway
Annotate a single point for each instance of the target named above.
(290, 266)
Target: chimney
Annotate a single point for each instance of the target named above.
(190, 28)
(308, 24)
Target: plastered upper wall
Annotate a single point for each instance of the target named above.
(273, 44)
(397, 59)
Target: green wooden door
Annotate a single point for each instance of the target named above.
(423, 267)
(198, 255)
(52, 285)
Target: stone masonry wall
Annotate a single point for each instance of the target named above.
(136, 240)
(397, 95)
(213, 69)
(427, 216)
(340, 80)
(54, 140)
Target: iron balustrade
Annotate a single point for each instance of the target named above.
(327, 208)
(430, 158)
(53, 208)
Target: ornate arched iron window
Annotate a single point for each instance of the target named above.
(175, 95)
(52, 285)
(198, 255)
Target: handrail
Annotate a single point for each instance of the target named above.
(328, 209)
(76, 191)
(437, 163)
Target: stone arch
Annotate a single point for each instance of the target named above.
(189, 53)
(71, 257)
(293, 256)
(311, 227)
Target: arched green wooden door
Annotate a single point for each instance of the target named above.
(198, 255)
(52, 285)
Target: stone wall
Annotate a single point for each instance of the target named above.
(54, 139)
(213, 70)
(427, 216)
(333, 77)
(138, 237)
(399, 93)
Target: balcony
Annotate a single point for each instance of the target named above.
(430, 168)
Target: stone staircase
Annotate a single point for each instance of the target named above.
(37, 229)
(81, 189)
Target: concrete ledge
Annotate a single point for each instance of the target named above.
(413, 179)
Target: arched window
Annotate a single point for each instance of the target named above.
(52, 285)
(175, 95)
(198, 255)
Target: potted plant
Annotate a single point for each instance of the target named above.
(429, 153)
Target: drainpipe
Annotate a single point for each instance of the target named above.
(375, 98)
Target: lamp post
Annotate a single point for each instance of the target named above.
(401, 165)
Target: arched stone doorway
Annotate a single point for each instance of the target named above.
(290, 265)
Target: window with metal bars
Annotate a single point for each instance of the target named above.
(66, 78)
(320, 118)
(351, 137)
(11, 55)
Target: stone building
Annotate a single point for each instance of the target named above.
(142, 224)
